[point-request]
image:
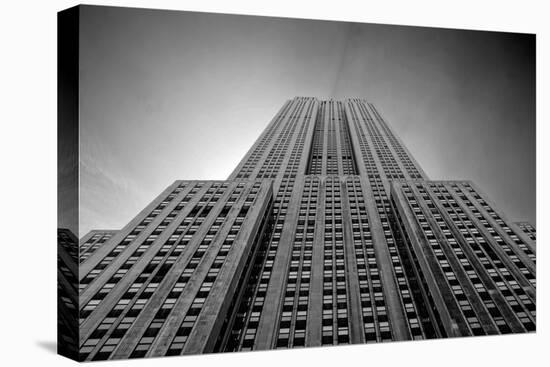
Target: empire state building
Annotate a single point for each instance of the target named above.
(327, 232)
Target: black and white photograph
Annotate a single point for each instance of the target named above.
(289, 187)
(329, 230)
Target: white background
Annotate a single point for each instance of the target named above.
(28, 183)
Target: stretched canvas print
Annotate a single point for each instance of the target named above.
(239, 183)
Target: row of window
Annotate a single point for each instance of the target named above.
(158, 269)
(464, 250)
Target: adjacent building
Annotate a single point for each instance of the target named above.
(67, 293)
(529, 229)
(92, 241)
(327, 232)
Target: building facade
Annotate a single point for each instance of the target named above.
(164, 283)
(327, 232)
(476, 268)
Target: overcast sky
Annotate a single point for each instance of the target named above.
(169, 95)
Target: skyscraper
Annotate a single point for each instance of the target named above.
(327, 232)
